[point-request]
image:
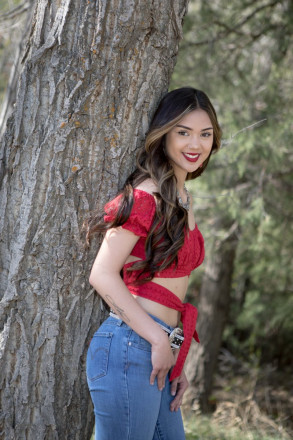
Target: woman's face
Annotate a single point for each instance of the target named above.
(189, 143)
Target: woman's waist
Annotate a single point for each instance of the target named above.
(166, 314)
(158, 300)
(172, 286)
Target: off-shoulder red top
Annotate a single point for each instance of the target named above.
(190, 256)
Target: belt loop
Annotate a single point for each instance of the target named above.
(119, 321)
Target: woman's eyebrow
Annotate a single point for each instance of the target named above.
(188, 128)
(184, 126)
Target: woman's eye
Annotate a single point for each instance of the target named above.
(183, 133)
(206, 135)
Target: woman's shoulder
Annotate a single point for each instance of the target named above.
(142, 192)
(144, 198)
(142, 212)
(147, 186)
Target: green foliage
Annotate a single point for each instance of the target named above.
(203, 427)
(241, 54)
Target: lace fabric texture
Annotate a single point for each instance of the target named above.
(190, 256)
(141, 216)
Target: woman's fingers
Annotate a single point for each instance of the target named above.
(175, 405)
(181, 386)
(153, 376)
(162, 361)
(161, 377)
(174, 386)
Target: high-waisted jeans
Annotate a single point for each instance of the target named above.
(126, 406)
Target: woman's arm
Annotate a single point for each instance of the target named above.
(105, 278)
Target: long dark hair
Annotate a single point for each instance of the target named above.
(166, 235)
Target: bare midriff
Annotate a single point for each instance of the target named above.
(178, 286)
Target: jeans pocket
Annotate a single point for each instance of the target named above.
(98, 356)
(137, 341)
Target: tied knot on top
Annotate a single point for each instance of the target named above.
(188, 319)
(160, 294)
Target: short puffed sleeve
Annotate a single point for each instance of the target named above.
(141, 216)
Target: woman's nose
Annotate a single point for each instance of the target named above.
(194, 142)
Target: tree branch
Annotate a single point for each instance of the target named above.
(229, 30)
(15, 12)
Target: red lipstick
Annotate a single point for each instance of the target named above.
(191, 157)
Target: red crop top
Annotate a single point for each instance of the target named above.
(190, 256)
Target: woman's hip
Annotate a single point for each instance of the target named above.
(115, 350)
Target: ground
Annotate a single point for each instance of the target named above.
(249, 402)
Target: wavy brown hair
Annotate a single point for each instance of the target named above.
(170, 223)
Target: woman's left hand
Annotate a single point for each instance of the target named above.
(178, 388)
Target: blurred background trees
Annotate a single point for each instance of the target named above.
(15, 20)
(240, 53)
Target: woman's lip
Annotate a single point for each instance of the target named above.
(191, 159)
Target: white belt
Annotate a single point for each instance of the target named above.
(176, 336)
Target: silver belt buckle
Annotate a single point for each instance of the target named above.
(176, 337)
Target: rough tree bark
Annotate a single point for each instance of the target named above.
(93, 73)
(213, 308)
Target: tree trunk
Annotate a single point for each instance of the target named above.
(213, 311)
(93, 74)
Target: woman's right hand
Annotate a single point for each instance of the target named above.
(162, 360)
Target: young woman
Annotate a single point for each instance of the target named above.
(135, 359)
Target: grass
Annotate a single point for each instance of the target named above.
(205, 428)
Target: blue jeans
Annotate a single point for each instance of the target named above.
(126, 406)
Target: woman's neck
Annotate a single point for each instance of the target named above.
(181, 186)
